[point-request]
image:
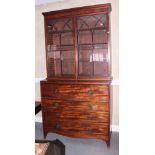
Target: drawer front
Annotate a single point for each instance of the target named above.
(71, 115)
(62, 105)
(75, 92)
(59, 109)
(79, 129)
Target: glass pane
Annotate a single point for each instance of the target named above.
(100, 36)
(60, 32)
(85, 68)
(54, 66)
(58, 25)
(101, 68)
(60, 48)
(100, 59)
(84, 37)
(85, 55)
(85, 61)
(55, 39)
(100, 55)
(93, 45)
(93, 21)
(66, 38)
(67, 67)
(67, 62)
(67, 55)
(52, 48)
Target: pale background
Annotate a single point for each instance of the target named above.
(40, 64)
(136, 74)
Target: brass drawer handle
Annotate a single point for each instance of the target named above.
(90, 130)
(56, 104)
(104, 102)
(57, 126)
(57, 114)
(93, 107)
(56, 91)
(90, 117)
(90, 92)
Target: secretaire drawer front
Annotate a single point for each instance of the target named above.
(76, 92)
(75, 88)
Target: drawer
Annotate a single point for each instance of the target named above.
(74, 92)
(82, 129)
(74, 106)
(77, 115)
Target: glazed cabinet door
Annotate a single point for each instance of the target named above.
(60, 48)
(92, 41)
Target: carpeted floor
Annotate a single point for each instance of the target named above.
(78, 146)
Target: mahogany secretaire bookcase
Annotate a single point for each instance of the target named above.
(76, 93)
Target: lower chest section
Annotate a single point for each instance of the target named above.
(76, 110)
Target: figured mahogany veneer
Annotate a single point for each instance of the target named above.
(83, 129)
(75, 97)
(71, 110)
(76, 110)
(85, 92)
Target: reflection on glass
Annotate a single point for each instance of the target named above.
(60, 47)
(93, 45)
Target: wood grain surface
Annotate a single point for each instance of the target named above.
(84, 129)
(60, 109)
(76, 110)
(92, 93)
(74, 102)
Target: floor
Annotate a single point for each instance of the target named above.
(78, 146)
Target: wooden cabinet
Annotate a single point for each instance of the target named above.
(76, 93)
